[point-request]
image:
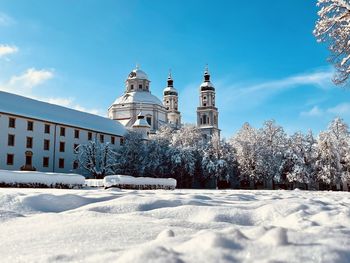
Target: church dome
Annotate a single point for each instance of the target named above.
(137, 74)
(138, 97)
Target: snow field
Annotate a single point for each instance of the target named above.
(46, 225)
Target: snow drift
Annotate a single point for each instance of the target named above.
(40, 179)
(97, 225)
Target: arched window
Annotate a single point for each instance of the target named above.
(204, 119)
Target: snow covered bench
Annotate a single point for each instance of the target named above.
(140, 183)
(26, 179)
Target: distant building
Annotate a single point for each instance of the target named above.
(207, 112)
(137, 98)
(35, 135)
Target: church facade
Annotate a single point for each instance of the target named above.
(138, 103)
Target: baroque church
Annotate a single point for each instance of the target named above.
(138, 109)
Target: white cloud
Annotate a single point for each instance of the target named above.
(340, 109)
(6, 20)
(321, 79)
(24, 83)
(314, 112)
(7, 50)
(70, 103)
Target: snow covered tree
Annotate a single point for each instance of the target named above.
(333, 154)
(245, 142)
(96, 158)
(130, 156)
(156, 160)
(333, 27)
(272, 142)
(299, 161)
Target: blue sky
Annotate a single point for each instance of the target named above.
(263, 58)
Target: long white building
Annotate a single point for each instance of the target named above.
(36, 135)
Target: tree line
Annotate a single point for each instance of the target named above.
(252, 158)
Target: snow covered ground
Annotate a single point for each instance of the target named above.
(95, 225)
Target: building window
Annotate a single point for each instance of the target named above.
(204, 104)
(61, 163)
(167, 108)
(12, 122)
(75, 165)
(29, 143)
(46, 145)
(46, 162)
(62, 131)
(140, 86)
(11, 140)
(113, 140)
(62, 146)
(204, 97)
(76, 134)
(132, 87)
(122, 141)
(75, 147)
(204, 119)
(146, 87)
(30, 126)
(167, 102)
(89, 136)
(102, 138)
(47, 128)
(10, 159)
(149, 120)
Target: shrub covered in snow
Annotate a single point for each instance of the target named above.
(40, 180)
(146, 183)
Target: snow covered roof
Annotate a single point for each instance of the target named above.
(207, 84)
(141, 122)
(138, 97)
(137, 74)
(30, 108)
(170, 89)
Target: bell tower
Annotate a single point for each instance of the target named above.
(207, 113)
(170, 102)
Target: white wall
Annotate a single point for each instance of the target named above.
(38, 134)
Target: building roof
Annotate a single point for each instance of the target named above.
(137, 74)
(30, 108)
(170, 89)
(144, 97)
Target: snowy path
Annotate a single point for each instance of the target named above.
(49, 225)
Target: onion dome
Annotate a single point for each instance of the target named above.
(207, 85)
(170, 90)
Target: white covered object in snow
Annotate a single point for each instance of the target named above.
(139, 182)
(48, 179)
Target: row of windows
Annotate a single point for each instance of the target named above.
(47, 128)
(29, 142)
(45, 163)
(140, 87)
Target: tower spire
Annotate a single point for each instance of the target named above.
(206, 74)
(170, 79)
